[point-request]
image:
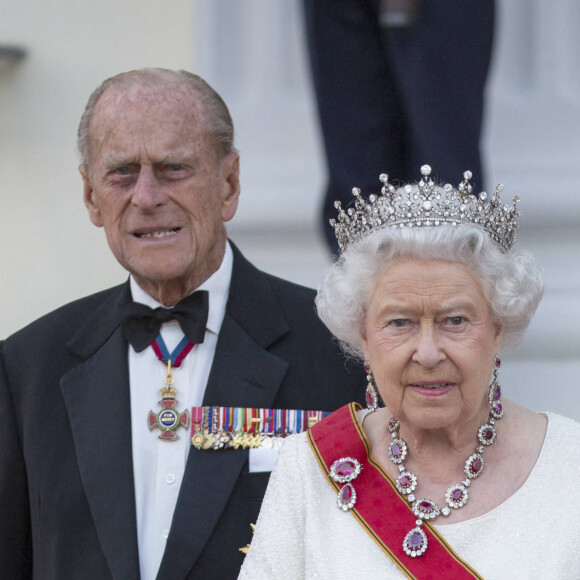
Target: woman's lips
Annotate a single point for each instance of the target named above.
(432, 388)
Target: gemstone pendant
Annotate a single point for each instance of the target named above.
(494, 394)
(398, 451)
(345, 469)
(496, 410)
(346, 497)
(426, 509)
(456, 496)
(474, 466)
(371, 399)
(415, 542)
(406, 482)
(486, 434)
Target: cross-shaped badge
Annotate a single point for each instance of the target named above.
(168, 419)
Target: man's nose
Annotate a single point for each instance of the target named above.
(428, 351)
(147, 193)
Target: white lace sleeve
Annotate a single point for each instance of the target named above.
(277, 549)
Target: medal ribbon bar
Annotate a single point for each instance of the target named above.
(214, 427)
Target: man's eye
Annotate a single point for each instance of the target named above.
(175, 167)
(122, 170)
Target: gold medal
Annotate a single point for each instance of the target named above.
(169, 418)
(197, 440)
(209, 441)
(222, 428)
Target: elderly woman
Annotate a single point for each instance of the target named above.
(448, 479)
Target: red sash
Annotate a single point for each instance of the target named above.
(379, 508)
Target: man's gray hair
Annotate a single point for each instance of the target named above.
(217, 122)
(512, 282)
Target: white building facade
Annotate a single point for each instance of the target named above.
(253, 53)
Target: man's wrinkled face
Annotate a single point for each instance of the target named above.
(157, 186)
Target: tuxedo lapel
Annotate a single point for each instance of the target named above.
(243, 374)
(96, 394)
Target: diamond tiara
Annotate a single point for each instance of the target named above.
(426, 205)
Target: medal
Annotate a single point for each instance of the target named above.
(197, 437)
(247, 427)
(169, 418)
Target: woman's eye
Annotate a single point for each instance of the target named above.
(399, 322)
(456, 320)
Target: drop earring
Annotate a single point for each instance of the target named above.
(371, 395)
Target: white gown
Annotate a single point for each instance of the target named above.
(535, 534)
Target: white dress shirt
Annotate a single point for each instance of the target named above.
(158, 465)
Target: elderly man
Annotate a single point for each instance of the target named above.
(98, 475)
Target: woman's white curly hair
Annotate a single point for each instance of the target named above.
(512, 282)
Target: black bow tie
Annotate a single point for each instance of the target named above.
(141, 324)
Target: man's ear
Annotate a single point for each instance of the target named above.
(89, 198)
(230, 175)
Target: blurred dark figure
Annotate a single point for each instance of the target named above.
(399, 83)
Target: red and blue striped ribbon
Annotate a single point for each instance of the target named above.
(179, 352)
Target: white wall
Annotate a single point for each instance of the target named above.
(531, 145)
(252, 52)
(50, 253)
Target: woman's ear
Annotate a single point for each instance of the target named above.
(363, 341)
(498, 338)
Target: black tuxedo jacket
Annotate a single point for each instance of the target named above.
(67, 502)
